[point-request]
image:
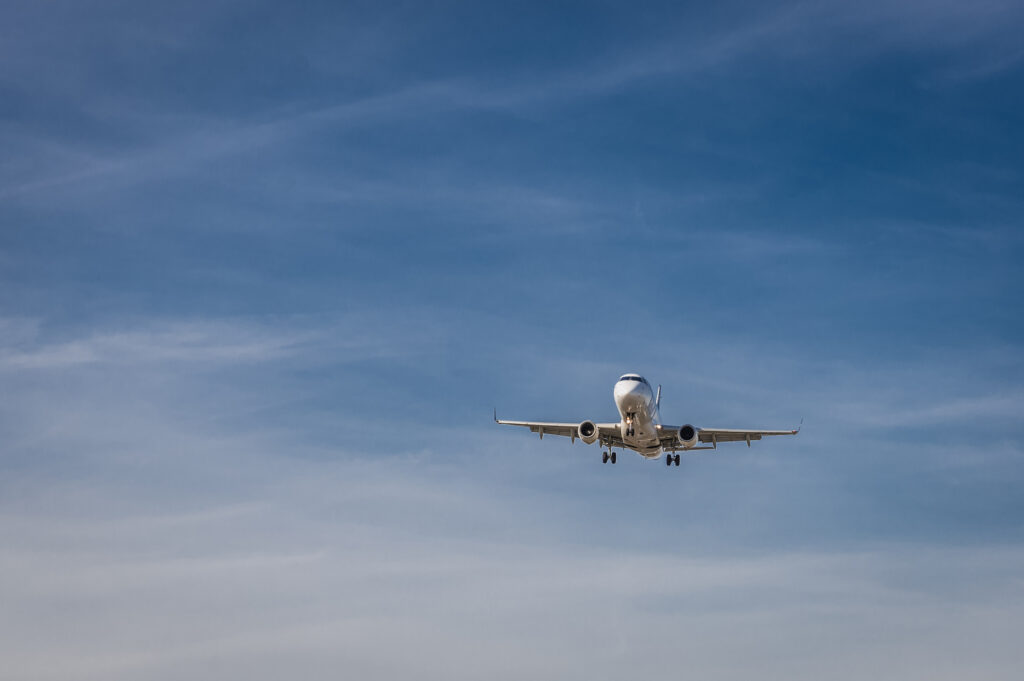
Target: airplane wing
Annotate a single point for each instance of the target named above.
(713, 436)
(607, 432)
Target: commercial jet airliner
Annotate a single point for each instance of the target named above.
(640, 429)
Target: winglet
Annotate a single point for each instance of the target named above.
(800, 426)
(495, 414)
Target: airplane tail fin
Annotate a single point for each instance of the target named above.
(657, 400)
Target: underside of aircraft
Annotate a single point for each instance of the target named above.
(639, 427)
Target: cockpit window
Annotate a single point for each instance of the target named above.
(638, 379)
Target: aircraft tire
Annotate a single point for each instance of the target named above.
(604, 457)
(613, 457)
(677, 459)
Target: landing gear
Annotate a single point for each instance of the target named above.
(671, 459)
(604, 457)
(613, 457)
(677, 459)
(608, 456)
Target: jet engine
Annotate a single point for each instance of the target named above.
(687, 436)
(588, 432)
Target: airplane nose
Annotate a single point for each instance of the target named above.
(630, 394)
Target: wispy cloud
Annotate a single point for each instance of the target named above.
(217, 341)
(949, 413)
(802, 31)
(175, 342)
(182, 148)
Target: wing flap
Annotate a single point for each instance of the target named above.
(607, 432)
(714, 436)
(546, 427)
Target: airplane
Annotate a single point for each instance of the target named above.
(639, 427)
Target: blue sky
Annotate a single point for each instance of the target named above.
(265, 271)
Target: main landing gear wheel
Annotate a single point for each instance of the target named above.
(668, 460)
(613, 457)
(677, 459)
(604, 457)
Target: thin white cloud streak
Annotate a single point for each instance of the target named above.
(215, 341)
(450, 195)
(980, 68)
(218, 138)
(181, 342)
(1002, 407)
(725, 245)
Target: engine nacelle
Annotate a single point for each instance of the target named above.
(588, 432)
(687, 436)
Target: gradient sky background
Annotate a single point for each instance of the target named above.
(265, 270)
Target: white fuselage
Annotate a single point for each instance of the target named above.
(638, 411)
